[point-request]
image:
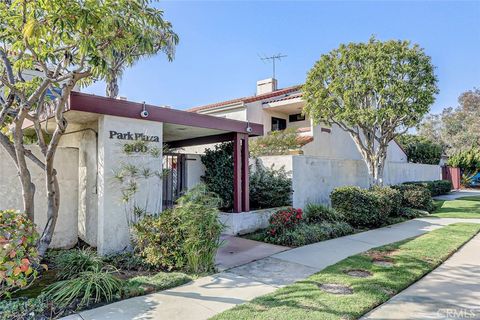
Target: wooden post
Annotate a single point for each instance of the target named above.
(237, 176)
(245, 176)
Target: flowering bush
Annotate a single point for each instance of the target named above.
(284, 219)
(18, 254)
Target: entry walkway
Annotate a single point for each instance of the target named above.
(449, 292)
(211, 295)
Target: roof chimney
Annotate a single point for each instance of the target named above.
(266, 86)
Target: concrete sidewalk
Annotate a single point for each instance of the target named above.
(452, 291)
(211, 295)
(458, 194)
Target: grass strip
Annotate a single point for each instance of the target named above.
(409, 260)
(141, 285)
(465, 207)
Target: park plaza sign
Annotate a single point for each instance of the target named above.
(133, 136)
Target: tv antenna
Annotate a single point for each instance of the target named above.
(274, 57)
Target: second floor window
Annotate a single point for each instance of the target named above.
(296, 117)
(278, 124)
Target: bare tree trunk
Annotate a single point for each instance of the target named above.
(53, 200)
(28, 188)
(112, 85)
(53, 189)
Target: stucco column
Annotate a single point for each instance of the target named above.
(115, 215)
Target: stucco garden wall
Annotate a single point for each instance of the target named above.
(66, 163)
(314, 178)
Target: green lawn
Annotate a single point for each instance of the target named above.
(411, 259)
(466, 207)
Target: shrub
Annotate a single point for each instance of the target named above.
(282, 220)
(391, 199)
(93, 286)
(22, 309)
(420, 149)
(127, 261)
(411, 213)
(187, 236)
(269, 188)
(416, 197)
(70, 263)
(275, 143)
(315, 213)
(18, 253)
(436, 187)
(467, 160)
(219, 172)
(159, 240)
(304, 233)
(360, 207)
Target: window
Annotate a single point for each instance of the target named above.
(278, 124)
(296, 117)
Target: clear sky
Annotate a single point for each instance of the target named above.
(217, 58)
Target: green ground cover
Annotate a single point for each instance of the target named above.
(409, 261)
(466, 207)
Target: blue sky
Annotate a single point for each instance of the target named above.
(217, 58)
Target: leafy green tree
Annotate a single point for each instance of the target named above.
(420, 149)
(155, 37)
(48, 48)
(375, 91)
(457, 129)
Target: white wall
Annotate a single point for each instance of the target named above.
(397, 172)
(84, 137)
(66, 160)
(113, 227)
(314, 178)
(195, 169)
(337, 144)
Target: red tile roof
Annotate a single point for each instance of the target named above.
(289, 97)
(247, 99)
(303, 140)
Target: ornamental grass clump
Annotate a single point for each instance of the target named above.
(89, 287)
(186, 237)
(70, 263)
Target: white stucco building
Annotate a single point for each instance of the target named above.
(278, 109)
(112, 144)
(330, 157)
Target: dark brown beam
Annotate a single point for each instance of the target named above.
(122, 108)
(201, 140)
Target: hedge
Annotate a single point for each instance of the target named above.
(415, 196)
(360, 207)
(436, 187)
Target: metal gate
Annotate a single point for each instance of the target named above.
(174, 178)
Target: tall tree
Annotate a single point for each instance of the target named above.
(456, 128)
(46, 49)
(375, 91)
(157, 36)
